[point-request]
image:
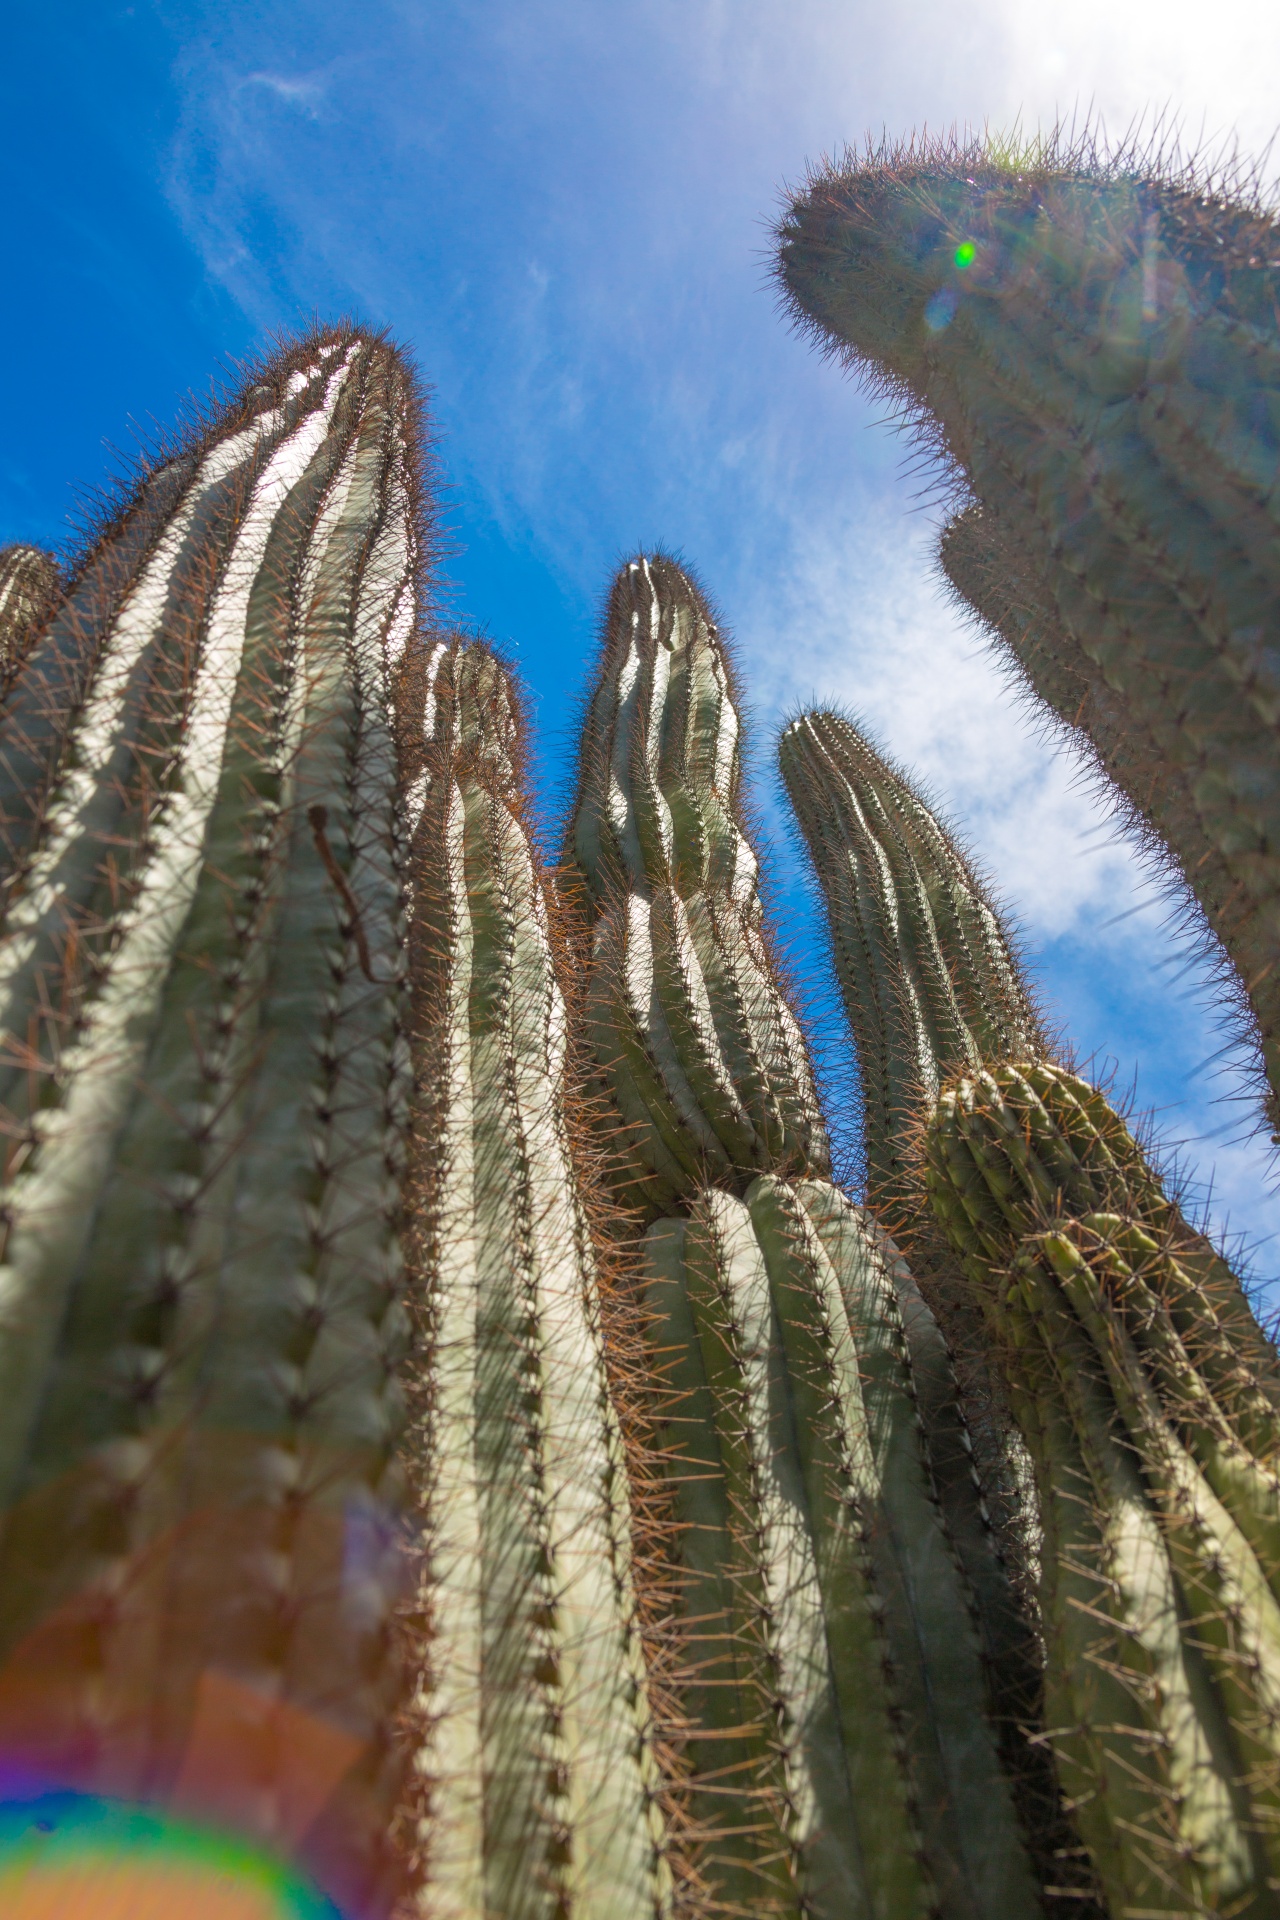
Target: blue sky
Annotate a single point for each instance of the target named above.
(562, 206)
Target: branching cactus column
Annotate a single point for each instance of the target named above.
(205, 1086)
(535, 1777)
(842, 1752)
(1145, 1393)
(1097, 347)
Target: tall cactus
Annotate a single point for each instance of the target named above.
(840, 1592)
(30, 582)
(536, 1781)
(1097, 347)
(1145, 1393)
(920, 954)
(205, 1084)
(697, 1041)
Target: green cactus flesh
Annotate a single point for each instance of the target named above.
(846, 1762)
(1099, 352)
(534, 1765)
(701, 1050)
(206, 1089)
(923, 963)
(1150, 1400)
(30, 583)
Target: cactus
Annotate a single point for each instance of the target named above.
(1145, 1393)
(846, 1759)
(840, 1593)
(691, 1029)
(1150, 1400)
(30, 582)
(1094, 344)
(920, 954)
(536, 1784)
(206, 1095)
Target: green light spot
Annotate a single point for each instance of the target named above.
(966, 254)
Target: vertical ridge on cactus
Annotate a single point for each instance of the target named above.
(205, 1083)
(689, 1023)
(536, 1780)
(30, 582)
(1096, 347)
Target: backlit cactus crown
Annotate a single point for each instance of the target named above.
(688, 1020)
(206, 1091)
(30, 582)
(534, 1773)
(1098, 349)
(924, 965)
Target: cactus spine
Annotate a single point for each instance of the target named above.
(206, 1099)
(1145, 1393)
(1098, 352)
(843, 1758)
(30, 583)
(535, 1780)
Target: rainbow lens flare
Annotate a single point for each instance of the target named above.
(70, 1856)
(966, 254)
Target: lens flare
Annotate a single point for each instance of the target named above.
(966, 254)
(66, 1856)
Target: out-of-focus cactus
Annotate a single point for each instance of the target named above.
(1150, 1401)
(536, 1783)
(690, 1026)
(205, 1079)
(1098, 348)
(30, 582)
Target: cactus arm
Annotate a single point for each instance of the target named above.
(840, 1321)
(51, 1208)
(729, 1294)
(739, 1805)
(450, 1757)
(704, 1039)
(537, 1674)
(1198, 1830)
(207, 1511)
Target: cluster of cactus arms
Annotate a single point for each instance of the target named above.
(842, 1597)
(455, 1432)
(536, 1785)
(1098, 350)
(30, 582)
(1146, 1395)
(206, 1091)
